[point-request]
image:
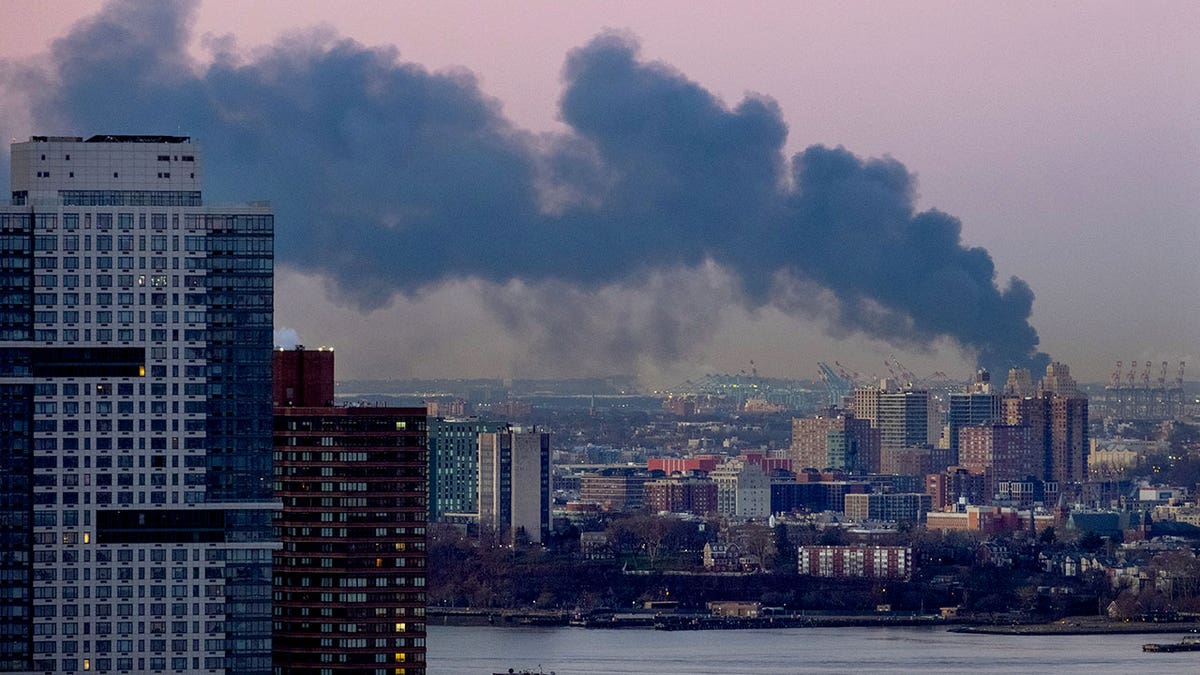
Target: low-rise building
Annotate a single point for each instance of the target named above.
(900, 507)
(677, 494)
(878, 562)
(614, 489)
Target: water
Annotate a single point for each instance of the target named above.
(580, 651)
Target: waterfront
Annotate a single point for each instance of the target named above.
(578, 651)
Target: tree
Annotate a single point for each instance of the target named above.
(785, 552)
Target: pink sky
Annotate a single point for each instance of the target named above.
(1064, 135)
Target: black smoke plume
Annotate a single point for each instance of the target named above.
(387, 178)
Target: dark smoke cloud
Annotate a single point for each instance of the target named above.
(387, 178)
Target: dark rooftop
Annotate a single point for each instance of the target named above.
(105, 138)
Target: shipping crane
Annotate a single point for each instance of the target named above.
(838, 386)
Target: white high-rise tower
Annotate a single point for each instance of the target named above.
(135, 414)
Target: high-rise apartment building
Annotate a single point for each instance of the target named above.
(514, 484)
(903, 419)
(1068, 442)
(454, 467)
(135, 440)
(1000, 452)
(836, 441)
(971, 409)
(350, 577)
(1058, 417)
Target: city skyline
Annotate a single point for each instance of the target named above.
(1067, 159)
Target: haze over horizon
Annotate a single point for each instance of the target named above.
(1047, 168)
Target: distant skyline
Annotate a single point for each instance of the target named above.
(1063, 137)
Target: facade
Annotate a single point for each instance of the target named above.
(1033, 412)
(1068, 447)
(350, 578)
(895, 507)
(971, 409)
(1059, 425)
(697, 496)
(839, 441)
(454, 466)
(903, 419)
(514, 484)
(864, 403)
(135, 439)
(614, 489)
(743, 489)
(956, 485)
(683, 465)
(989, 520)
(876, 562)
(303, 377)
(815, 496)
(1000, 452)
(913, 461)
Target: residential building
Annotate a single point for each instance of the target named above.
(834, 441)
(1019, 384)
(1033, 412)
(956, 485)
(135, 439)
(1000, 452)
(814, 496)
(614, 489)
(1058, 417)
(681, 494)
(968, 409)
(1068, 448)
(350, 578)
(876, 562)
(683, 465)
(903, 419)
(895, 507)
(1058, 382)
(454, 467)
(743, 489)
(514, 484)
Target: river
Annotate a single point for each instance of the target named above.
(579, 651)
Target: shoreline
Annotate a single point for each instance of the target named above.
(444, 616)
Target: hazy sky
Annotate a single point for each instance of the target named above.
(1064, 136)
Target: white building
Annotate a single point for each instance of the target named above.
(135, 436)
(743, 489)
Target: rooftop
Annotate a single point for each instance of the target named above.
(111, 138)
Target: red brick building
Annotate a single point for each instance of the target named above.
(681, 495)
(670, 465)
(877, 562)
(349, 580)
(1000, 452)
(303, 377)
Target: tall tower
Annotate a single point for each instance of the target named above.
(350, 578)
(454, 467)
(971, 409)
(135, 381)
(903, 419)
(514, 483)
